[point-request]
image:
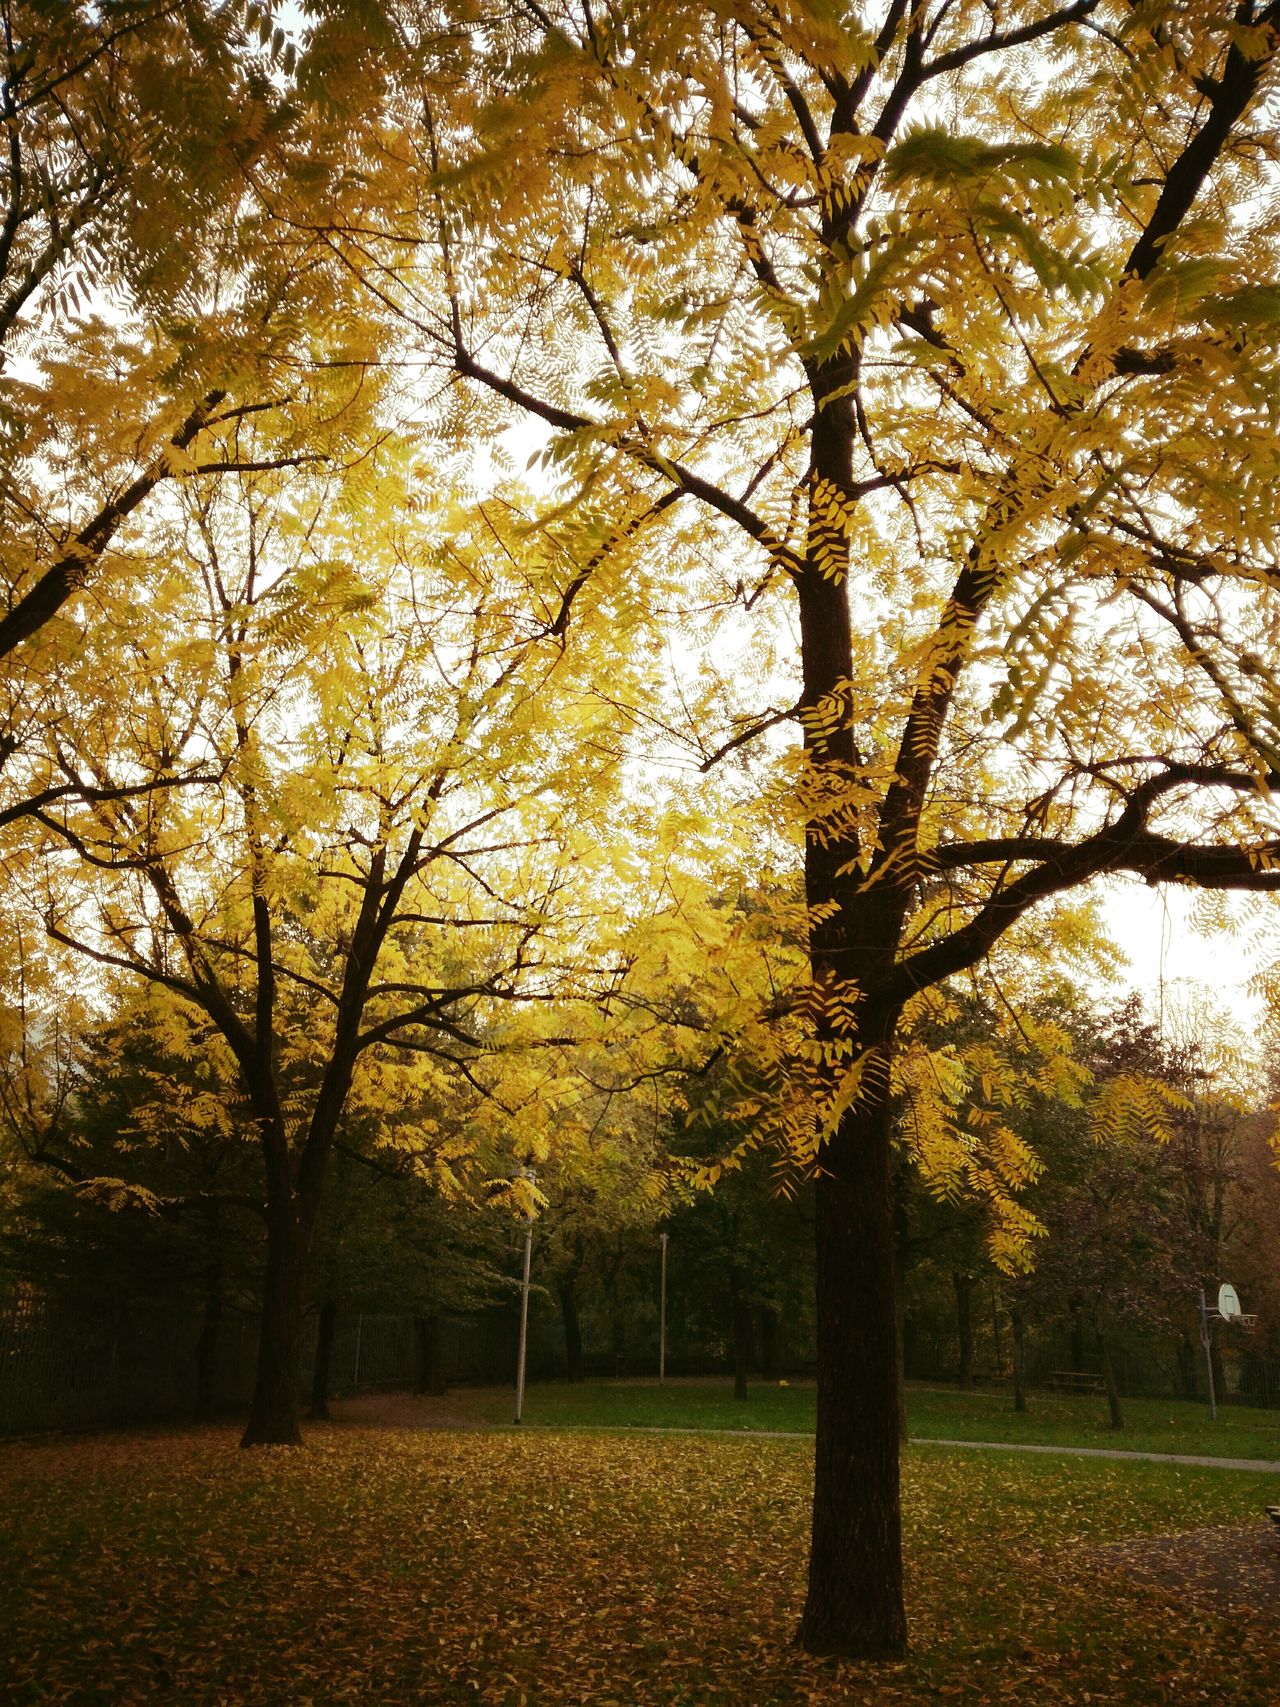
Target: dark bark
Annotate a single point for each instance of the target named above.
(206, 1396)
(617, 1319)
(1215, 1363)
(962, 1284)
(740, 1317)
(207, 1351)
(854, 1603)
(1018, 1324)
(428, 1345)
(1109, 1380)
(568, 1295)
(901, 1241)
(1077, 1333)
(293, 1197)
(70, 571)
(767, 1340)
(995, 1330)
(273, 1412)
(1188, 1367)
(325, 1326)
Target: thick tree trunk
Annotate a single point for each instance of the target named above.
(273, 1412)
(740, 1315)
(854, 1604)
(963, 1286)
(326, 1323)
(1018, 1324)
(901, 1240)
(568, 1295)
(428, 1340)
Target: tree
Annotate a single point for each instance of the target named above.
(955, 324)
(603, 1190)
(372, 872)
(389, 1239)
(130, 129)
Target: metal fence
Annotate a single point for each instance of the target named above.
(1145, 1368)
(60, 1369)
(65, 1370)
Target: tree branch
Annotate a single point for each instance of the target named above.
(70, 572)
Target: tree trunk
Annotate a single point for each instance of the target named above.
(273, 1412)
(1188, 1368)
(210, 1326)
(854, 1604)
(428, 1340)
(1219, 1374)
(995, 1330)
(901, 1240)
(568, 1294)
(1109, 1380)
(768, 1342)
(740, 1316)
(1018, 1324)
(963, 1286)
(1077, 1333)
(618, 1336)
(325, 1325)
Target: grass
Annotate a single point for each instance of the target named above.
(398, 1566)
(1152, 1425)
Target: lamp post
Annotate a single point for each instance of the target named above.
(525, 1174)
(662, 1317)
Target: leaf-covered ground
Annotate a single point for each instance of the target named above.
(404, 1567)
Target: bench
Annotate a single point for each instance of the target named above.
(1075, 1381)
(1273, 1512)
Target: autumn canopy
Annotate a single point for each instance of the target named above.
(483, 485)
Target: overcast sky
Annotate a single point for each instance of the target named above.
(1155, 929)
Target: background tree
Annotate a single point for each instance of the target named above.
(142, 1193)
(370, 874)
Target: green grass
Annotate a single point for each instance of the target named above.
(1151, 1425)
(396, 1566)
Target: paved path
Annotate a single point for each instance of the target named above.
(1266, 1464)
(395, 1411)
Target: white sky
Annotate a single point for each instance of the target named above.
(1170, 960)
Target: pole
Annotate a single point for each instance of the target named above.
(662, 1316)
(1208, 1355)
(526, 1173)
